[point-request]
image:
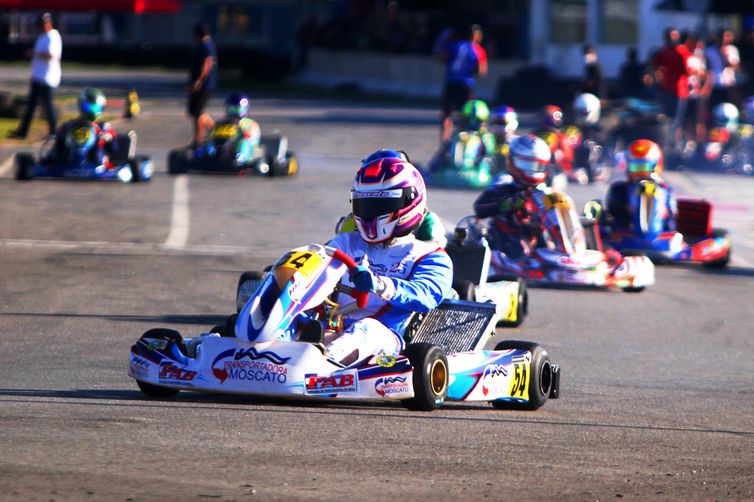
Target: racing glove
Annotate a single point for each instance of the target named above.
(365, 281)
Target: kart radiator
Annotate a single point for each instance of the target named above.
(694, 217)
(456, 326)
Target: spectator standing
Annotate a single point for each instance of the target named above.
(732, 62)
(461, 71)
(700, 86)
(202, 81)
(45, 75)
(672, 79)
(632, 74)
(476, 40)
(593, 82)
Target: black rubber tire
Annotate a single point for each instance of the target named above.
(23, 166)
(177, 161)
(633, 289)
(540, 379)
(133, 165)
(522, 309)
(278, 168)
(252, 275)
(722, 262)
(172, 335)
(465, 290)
(430, 376)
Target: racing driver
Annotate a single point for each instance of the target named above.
(402, 274)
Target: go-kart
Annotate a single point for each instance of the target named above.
(73, 157)
(227, 149)
(264, 352)
(644, 231)
(463, 163)
(568, 253)
(724, 152)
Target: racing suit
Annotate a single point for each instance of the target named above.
(515, 226)
(414, 276)
(101, 149)
(621, 204)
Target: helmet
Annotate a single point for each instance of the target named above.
(475, 112)
(552, 116)
(237, 105)
(504, 121)
(725, 115)
(643, 158)
(91, 103)
(586, 109)
(388, 198)
(529, 158)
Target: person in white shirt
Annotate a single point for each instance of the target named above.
(45, 75)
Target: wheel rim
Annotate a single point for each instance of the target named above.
(438, 377)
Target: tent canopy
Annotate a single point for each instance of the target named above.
(135, 6)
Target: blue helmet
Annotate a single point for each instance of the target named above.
(237, 105)
(91, 103)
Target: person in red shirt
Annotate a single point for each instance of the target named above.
(670, 73)
(481, 54)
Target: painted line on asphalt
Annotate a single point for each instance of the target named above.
(179, 217)
(6, 166)
(134, 247)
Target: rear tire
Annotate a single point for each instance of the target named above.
(540, 377)
(177, 161)
(430, 376)
(722, 262)
(465, 290)
(24, 166)
(248, 283)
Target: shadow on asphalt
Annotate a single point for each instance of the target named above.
(198, 319)
(365, 410)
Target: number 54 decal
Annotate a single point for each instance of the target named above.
(520, 380)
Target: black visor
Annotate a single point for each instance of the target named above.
(370, 205)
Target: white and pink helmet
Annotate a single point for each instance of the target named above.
(388, 198)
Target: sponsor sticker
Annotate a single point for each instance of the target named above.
(347, 381)
(250, 365)
(139, 366)
(386, 361)
(494, 378)
(388, 386)
(155, 345)
(170, 373)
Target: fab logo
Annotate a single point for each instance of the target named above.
(169, 372)
(332, 384)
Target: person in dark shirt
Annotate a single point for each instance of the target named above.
(202, 81)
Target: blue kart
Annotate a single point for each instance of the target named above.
(75, 157)
(645, 231)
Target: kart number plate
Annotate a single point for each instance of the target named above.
(520, 380)
(225, 131)
(303, 262)
(81, 135)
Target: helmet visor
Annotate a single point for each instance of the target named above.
(640, 167)
(370, 205)
(530, 165)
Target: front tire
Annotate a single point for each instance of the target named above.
(24, 166)
(541, 377)
(465, 290)
(177, 161)
(522, 306)
(430, 376)
(170, 335)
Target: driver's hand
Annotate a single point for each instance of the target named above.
(363, 279)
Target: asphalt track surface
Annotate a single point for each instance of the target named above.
(657, 400)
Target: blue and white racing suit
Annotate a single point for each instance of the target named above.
(417, 275)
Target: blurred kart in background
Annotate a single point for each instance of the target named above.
(693, 239)
(229, 150)
(72, 157)
(463, 163)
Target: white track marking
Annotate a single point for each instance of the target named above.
(179, 218)
(134, 248)
(5, 167)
